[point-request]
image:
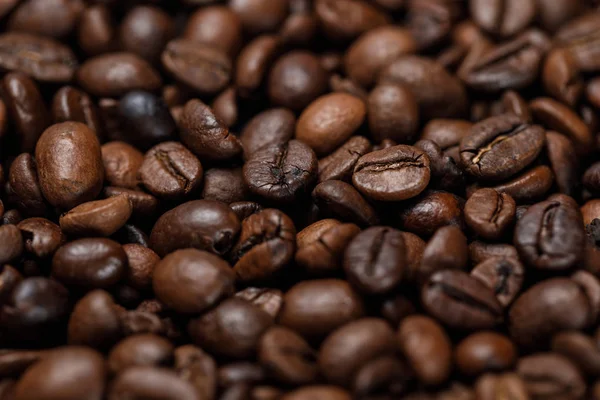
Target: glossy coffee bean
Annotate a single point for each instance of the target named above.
(95, 321)
(24, 183)
(145, 31)
(346, 20)
(139, 351)
(503, 18)
(97, 218)
(121, 164)
(254, 61)
(489, 213)
(447, 249)
(202, 224)
(218, 26)
(579, 348)
(340, 164)
(489, 386)
(341, 200)
(151, 382)
(384, 120)
(504, 275)
(551, 375)
(11, 246)
(259, 15)
(429, 212)
(269, 300)
(564, 162)
(225, 185)
(485, 352)
(197, 367)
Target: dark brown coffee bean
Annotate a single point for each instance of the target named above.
(232, 329)
(96, 32)
(253, 63)
(97, 218)
(244, 209)
(580, 349)
(115, 74)
(141, 261)
(430, 21)
(385, 122)
(151, 383)
(139, 351)
(481, 251)
(41, 237)
(551, 375)
(438, 93)
(318, 392)
(203, 68)
(392, 174)
(69, 164)
(374, 261)
(145, 30)
(426, 347)
(35, 16)
(316, 308)
(225, 185)
(559, 117)
(445, 173)
(15, 362)
(11, 217)
(461, 301)
(272, 126)
(295, 80)
(529, 186)
(280, 172)
(70, 104)
(564, 162)
(329, 121)
(503, 18)
(340, 164)
(344, 85)
(321, 245)
(47, 380)
(143, 204)
(26, 107)
(386, 374)
(340, 200)
(258, 16)
(504, 275)
(550, 236)
(499, 147)
(217, 26)
(346, 19)
(24, 183)
(121, 164)
(198, 368)
(485, 352)
(546, 308)
(11, 243)
(490, 213)
(580, 37)
(171, 171)
(299, 29)
(287, 357)
(446, 133)
(90, 263)
(428, 213)
(266, 244)
(226, 108)
(43, 59)
(373, 50)
(561, 77)
(269, 300)
(447, 249)
(94, 321)
(202, 224)
(509, 385)
(9, 279)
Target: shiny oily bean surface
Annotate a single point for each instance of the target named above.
(97, 218)
(503, 274)
(490, 213)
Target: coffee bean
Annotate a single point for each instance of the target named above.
(531, 185)
(384, 120)
(546, 308)
(273, 126)
(485, 352)
(121, 164)
(46, 379)
(90, 263)
(11, 243)
(426, 347)
(71, 104)
(191, 281)
(295, 80)
(428, 213)
(266, 244)
(232, 329)
(346, 19)
(198, 368)
(374, 50)
(151, 382)
(42, 58)
(34, 16)
(97, 218)
(484, 152)
(340, 164)
(170, 171)
(550, 236)
(202, 224)
(96, 31)
(225, 185)
(260, 15)
(386, 374)
(445, 173)
(481, 251)
(430, 21)
(503, 18)
(447, 133)
(461, 301)
(41, 237)
(287, 357)
(348, 86)
(509, 385)
(9, 279)
(26, 106)
(447, 249)
(69, 164)
(15, 362)
(591, 178)
(145, 30)
(253, 63)
(580, 349)
(438, 93)
(143, 204)
(579, 37)
(280, 172)
(244, 209)
(490, 213)
(551, 375)
(216, 26)
(24, 182)
(269, 300)
(318, 392)
(503, 275)
(314, 312)
(226, 108)
(561, 77)
(94, 321)
(115, 74)
(564, 162)
(139, 351)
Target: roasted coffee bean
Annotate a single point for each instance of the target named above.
(260, 15)
(281, 172)
(445, 173)
(550, 236)
(266, 244)
(385, 122)
(438, 93)
(232, 329)
(344, 85)
(225, 185)
(591, 178)
(580, 349)
(11, 243)
(269, 300)
(564, 162)
(320, 392)
(121, 164)
(115, 74)
(273, 126)
(531, 185)
(198, 368)
(551, 375)
(71, 104)
(562, 78)
(342, 201)
(151, 383)
(428, 213)
(347, 19)
(392, 174)
(217, 26)
(447, 133)
(34, 16)
(25, 185)
(503, 18)
(490, 213)
(430, 21)
(447, 249)
(314, 312)
(9, 279)
(139, 351)
(509, 385)
(419, 338)
(503, 275)
(145, 30)
(579, 37)
(321, 245)
(340, 164)
(374, 261)
(386, 374)
(97, 218)
(143, 204)
(42, 58)
(41, 237)
(96, 31)
(254, 62)
(244, 209)
(94, 321)
(170, 171)
(202, 224)
(481, 251)
(295, 80)
(203, 68)
(461, 301)
(546, 308)
(90, 263)
(225, 106)
(26, 107)
(191, 281)
(485, 151)
(485, 352)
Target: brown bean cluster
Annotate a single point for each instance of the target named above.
(299, 200)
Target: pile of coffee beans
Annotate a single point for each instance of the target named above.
(299, 200)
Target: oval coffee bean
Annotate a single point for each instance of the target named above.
(447, 249)
(504, 275)
(551, 375)
(41, 237)
(97, 218)
(121, 164)
(151, 383)
(531, 185)
(95, 321)
(339, 165)
(24, 182)
(269, 300)
(503, 18)
(385, 122)
(393, 174)
(69, 164)
(341, 200)
(346, 19)
(253, 63)
(139, 351)
(485, 352)
(11, 243)
(580, 349)
(70, 104)
(490, 213)
(428, 213)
